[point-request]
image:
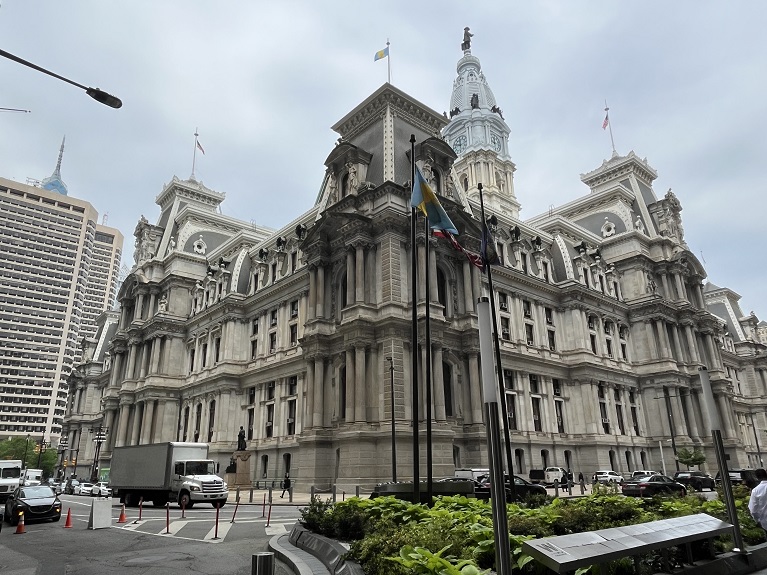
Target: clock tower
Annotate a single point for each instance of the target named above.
(480, 137)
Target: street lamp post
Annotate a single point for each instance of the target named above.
(26, 449)
(662, 459)
(99, 438)
(41, 445)
(95, 93)
(62, 449)
(393, 426)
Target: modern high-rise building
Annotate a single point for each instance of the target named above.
(301, 336)
(58, 272)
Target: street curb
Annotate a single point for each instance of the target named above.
(285, 555)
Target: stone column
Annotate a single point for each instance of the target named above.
(724, 412)
(156, 346)
(680, 286)
(433, 287)
(705, 417)
(350, 279)
(320, 302)
(677, 344)
(138, 312)
(475, 386)
(680, 425)
(694, 356)
(122, 430)
(117, 363)
(131, 365)
(438, 384)
(666, 286)
(468, 297)
(350, 384)
(312, 292)
(360, 414)
(319, 392)
(421, 269)
(690, 408)
(136, 424)
(359, 276)
(109, 420)
(665, 348)
(146, 426)
(712, 351)
(152, 299)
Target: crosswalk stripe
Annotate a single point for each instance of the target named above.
(223, 529)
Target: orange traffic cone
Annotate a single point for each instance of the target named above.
(68, 522)
(20, 526)
(122, 518)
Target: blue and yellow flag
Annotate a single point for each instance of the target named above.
(381, 54)
(426, 200)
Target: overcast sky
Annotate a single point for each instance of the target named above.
(264, 81)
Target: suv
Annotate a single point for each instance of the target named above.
(695, 479)
(643, 473)
(607, 476)
(745, 477)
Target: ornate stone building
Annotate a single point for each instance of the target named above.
(300, 334)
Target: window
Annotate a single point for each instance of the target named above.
(251, 395)
(216, 350)
(536, 403)
(291, 421)
(546, 271)
(253, 349)
(619, 415)
(293, 261)
(204, 354)
(503, 301)
(558, 409)
(609, 347)
(274, 272)
(511, 410)
(534, 388)
(549, 313)
(527, 308)
(270, 390)
(556, 387)
(552, 340)
(251, 420)
(447, 385)
(501, 253)
(293, 335)
(634, 420)
(191, 360)
(211, 419)
(269, 420)
(605, 419)
(273, 318)
(529, 334)
(508, 379)
(254, 328)
(505, 332)
(593, 339)
(624, 354)
(523, 261)
(294, 309)
(272, 342)
(292, 385)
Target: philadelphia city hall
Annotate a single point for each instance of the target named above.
(301, 335)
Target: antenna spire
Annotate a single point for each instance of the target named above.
(607, 124)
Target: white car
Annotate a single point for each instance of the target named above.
(83, 489)
(101, 489)
(607, 476)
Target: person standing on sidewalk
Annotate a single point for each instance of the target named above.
(286, 485)
(757, 502)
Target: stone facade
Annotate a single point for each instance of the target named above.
(603, 316)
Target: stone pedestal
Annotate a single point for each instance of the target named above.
(242, 475)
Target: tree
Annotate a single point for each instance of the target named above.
(690, 458)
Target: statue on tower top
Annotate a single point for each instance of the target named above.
(466, 44)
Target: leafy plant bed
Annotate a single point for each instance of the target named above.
(455, 535)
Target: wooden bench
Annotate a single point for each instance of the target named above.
(570, 552)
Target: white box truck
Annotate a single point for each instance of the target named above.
(32, 477)
(162, 472)
(10, 477)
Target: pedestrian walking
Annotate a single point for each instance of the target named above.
(286, 485)
(757, 502)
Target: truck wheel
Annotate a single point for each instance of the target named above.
(159, 502)
(185, 501)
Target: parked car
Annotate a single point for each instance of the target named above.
(695, 479)
(643, 472)
(38, 502)
(83, 488)
(69, 486)
(745, 477)
(101, 489)
(522, 487)
(607, 476)
(557, 474)
(651, 485)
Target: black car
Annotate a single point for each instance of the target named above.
(695, 479)
(36, 501)
(523, 488)
(745, 477)
(651, 485)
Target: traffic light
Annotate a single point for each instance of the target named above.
(74, 462)
(65, 462)
(37, 448)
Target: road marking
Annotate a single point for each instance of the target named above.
(174, 528)
(277, 529)
(223, 529)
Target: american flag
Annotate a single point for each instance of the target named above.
(606, 122)
(475, 259)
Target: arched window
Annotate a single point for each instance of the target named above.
(643, 458)
(545, 458)
(436, 182)
(197, 421)
(442, 289)
(186, 423)
(519, 461)
(447, 383)
(456, 457)
(629, 461)
(344, 285)
(465, 184)
(345, 185)
(612, 460)
(285, 463)
(264, 466)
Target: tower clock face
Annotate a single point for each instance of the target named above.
(459, 144)
(495, 141)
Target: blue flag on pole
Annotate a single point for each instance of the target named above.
(426, 200)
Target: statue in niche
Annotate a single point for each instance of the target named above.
(353, 181)
(171, 245)
(639, 225)
(652, 287)
(332, 189)
(163, 303)
(475, 100)
(241, 439)
(428, 175)
(466, 44)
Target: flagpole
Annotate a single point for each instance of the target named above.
(498, 364)
(414, 330)
(388, 60)
(428, 383)
(610, 126)
(194, 152)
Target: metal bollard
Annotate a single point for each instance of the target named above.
(569, 487)
(556, 488)
(251, 496)
(290, 494)
(311, 491)
(334, 493)
(270, 495)
(262, 564)
(357, 491)
(237, 494)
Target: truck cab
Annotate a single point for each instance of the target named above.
(197, 478)
(10, 477)
(32, 477)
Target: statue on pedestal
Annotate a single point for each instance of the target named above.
(241, 440)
